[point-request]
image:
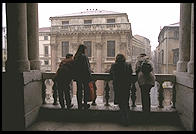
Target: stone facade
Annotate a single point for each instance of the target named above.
(98, 32)
(167, 51)
(99, 28)
(44, 49)
(140, 45)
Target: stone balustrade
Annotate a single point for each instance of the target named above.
(50, 95)
(90, 28)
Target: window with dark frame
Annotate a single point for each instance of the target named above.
(110, 20)
(46, 62)
(46, 50)
(88, 44)
(87, 21)
(176, 34)
(45, 37)
(175, 56)
(111, 48)
(65, 48)
(162, 56)
(65, 22)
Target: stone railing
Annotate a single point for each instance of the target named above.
(47, 94)
(91, 28)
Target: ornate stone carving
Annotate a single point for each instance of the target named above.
(98, 45)
(123, 45)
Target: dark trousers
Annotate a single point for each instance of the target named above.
(145, 94)
(82, 86)
(123, 102)
(64, 91)
(95, 91)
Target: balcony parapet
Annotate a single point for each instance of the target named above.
(106, 77)
(90, 28)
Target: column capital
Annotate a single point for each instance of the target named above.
(98, 45)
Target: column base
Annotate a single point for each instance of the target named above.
(35, 64)
(190, 67)
(182, 66)
(18, 66)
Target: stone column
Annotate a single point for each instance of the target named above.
(100, 84)
(53, 57)
(32, 33)
(17, 37)
(99, 57)
(191, 62)
(184, 46)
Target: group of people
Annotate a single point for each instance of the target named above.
(77, 68)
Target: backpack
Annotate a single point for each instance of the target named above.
(146, 67)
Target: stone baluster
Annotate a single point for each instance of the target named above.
(54, 89)
(107, 96)
(43, 91)
(160, 96)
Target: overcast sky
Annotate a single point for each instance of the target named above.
(145, 18)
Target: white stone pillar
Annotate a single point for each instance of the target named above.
(184, 46)
(54, 57)
(191, 62)
(33, 38)
(99, 58)
(17, 37)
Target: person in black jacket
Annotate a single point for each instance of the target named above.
(121, 73)
(82, 76)
(63, 79)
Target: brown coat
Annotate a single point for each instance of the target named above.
(144, 78)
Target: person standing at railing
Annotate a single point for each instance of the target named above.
(146, 80)
(63, 80)
(82, 76)
(121, 73)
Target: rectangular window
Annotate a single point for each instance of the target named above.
(45, 37)
(46, 62)
(87, 21)
(65, 22)
(111, 48)
(65, 48)
(110, 20)
(88, 45)
(162, 57)
(176, 35)
(175, 56)
(46, 50)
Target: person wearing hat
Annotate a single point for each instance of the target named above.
(146, 80)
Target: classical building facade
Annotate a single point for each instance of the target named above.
(140, 45)
(22, 82)
(44, 49)
(105, 33)
(167, 52)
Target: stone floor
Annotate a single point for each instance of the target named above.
(97, 126)
(51, 125)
